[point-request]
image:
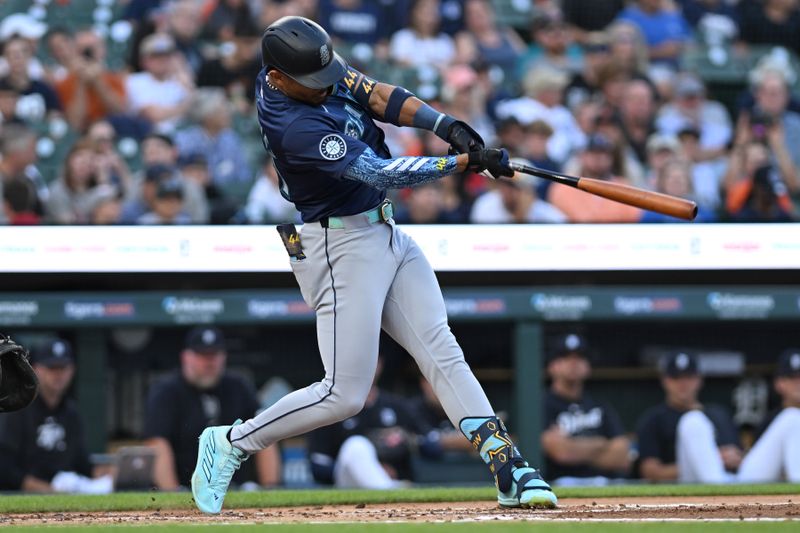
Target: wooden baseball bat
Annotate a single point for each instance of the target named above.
(626, 194)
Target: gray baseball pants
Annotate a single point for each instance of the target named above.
(361, 279)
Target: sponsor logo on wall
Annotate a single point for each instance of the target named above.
(561, 306)
(647, 305)
(18, 312)
(190, 310)
(729, 305)
(261, 308)
(474, 306)
(93, 310)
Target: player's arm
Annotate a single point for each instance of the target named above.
(615, 456)
(399, 172)
(400, 107)
(652, 469)
(268, 466)
(567, 450)
(164, 470)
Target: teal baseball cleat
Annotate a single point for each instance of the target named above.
(217, 461)
(528, 490)
(518, 485)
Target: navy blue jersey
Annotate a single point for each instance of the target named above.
(658, 427)
(583, 418)
(312, 147)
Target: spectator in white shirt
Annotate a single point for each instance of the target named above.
(544, 91)
(422, 43)
(162, 92)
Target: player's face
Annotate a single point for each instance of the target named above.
(54, 381)
(203, 370)
(296, 91)
(682, 389)
(789, 390)
(572, 367)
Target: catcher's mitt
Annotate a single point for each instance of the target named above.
(18, 383)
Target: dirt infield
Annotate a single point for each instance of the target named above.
(680, 508)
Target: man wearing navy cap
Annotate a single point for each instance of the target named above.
(584, 441)
(775, 456)
(199, 394)
(42, 447)
(682, 439)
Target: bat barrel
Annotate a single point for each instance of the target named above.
(652, 201)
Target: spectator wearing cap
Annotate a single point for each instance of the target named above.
(584, 440)
(90, 91)
(161, 93)
(585, 85)
(514, 200)
(595, 161)
(167, 208)
(690, 108)
(37, 99)
(542, 100)
(665, 30)
(201, 393)
(423, 42)
(661, 148)
(43, 447)
(159, 151)
(553, 46)
(27, 28)
(212, 136)
(683, 439)
(775, 455)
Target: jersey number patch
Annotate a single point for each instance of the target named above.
(332, 147)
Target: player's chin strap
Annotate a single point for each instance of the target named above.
(489, 436)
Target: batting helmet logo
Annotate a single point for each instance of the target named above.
(332, 147)
(324, 54)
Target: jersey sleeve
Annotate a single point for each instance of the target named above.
(647, 435)
(316, 144)
(612, 424)
(723, 423)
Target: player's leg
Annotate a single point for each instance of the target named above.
(343, 278)
(696, 452)
(774, 456)
(358, 467)
(415, 316)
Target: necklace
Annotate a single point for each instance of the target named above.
(269, 84)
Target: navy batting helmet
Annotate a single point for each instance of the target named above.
(301, 49)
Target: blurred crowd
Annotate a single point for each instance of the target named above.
(141, 112)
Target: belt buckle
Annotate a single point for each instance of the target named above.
(386, 211)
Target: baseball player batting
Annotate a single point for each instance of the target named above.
(354, 266)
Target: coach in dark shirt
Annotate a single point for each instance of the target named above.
(660, 430)
(198, 395)
(47, 437)
(584, 438)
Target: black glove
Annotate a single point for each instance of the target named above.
(491, 159)
(18, 382)
(463, 138)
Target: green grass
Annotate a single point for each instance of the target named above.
(485, 527)
(130, 501)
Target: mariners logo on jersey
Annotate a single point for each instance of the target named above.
(332, 147)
